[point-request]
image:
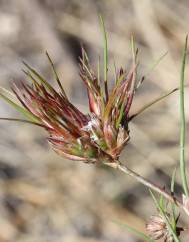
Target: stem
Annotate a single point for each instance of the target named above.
(105, 41)
(154, 101)
(182, 125)
(146, 182)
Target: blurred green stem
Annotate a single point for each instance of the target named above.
(182, 124)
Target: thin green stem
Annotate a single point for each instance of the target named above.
(156, 100)
(105, 41)
(182, 124)
(145, 182)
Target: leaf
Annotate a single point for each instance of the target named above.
(173, 177)
(105, 43)
(172, 191)
(182, 123)
(41, 79)
(133, 49)
(156, 100)
(20, 109)
(155, 63)
(24, 121)
(134, 231)
(151, 68)
(55, 74)
(162, 202)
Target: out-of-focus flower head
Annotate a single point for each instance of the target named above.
(98, 136)
(157, 228)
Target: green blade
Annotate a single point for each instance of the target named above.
(55, 74)
(41, 79)
(156, 100)
(155, 63)
(22, 121)
(135, 231)
(182, 124)
(105, 55)
(20, 109)
(173, 206)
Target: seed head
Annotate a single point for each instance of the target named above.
(98, 136)
(157, 229)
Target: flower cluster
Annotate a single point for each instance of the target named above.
(98, 136)
(157, 228)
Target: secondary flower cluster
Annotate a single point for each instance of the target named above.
(157, 228)
(98, 136)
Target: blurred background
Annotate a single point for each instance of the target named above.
(44, 197)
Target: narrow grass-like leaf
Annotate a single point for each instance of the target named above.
(21, 110)
(41, 79)
(134, 231)
(150, 69)
(155, 63)
(156, 100)
(173, 191)
(182, 123)
(133, 49)
(98, 70)
(105, 43)
(120, 115)
(55, 74)
(29, 75)
(162, 202)
(173, 177)
(101, 91)
(115, 73)
(163, 214)
(24, 121)
(8, 94)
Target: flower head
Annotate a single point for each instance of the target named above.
(99, 135)
(108, 127)
(157, 229)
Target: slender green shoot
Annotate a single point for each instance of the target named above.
(162, 202)
(115, 72)
(98, 71)
(121, 113)
(182, 123)
(151, 68)
(166, 219)
(155, 63)
(20, 109)
(105, 43)
(156, 100)
(23, 121)
(134, 231)
(38, 76)
(133, 49)
(173, 207)
(55, 74)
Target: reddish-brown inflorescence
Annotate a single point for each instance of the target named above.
(108, 125)
(97, 136)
